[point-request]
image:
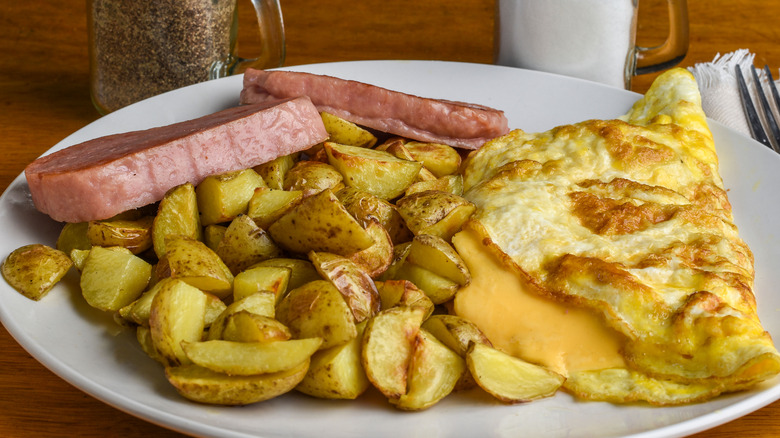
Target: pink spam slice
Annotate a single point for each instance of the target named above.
(457, 124)
(105, 176)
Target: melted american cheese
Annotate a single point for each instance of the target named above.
(520, 322)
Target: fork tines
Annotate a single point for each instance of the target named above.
(776, 98)
(754, 119)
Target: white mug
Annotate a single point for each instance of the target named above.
(589, 39)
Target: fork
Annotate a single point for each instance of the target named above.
(756, 121)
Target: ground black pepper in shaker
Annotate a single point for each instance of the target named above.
(142, 48)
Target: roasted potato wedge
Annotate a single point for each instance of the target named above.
(439, 289)
(508, 378)
(434, 371)
(440, 159)
(135, 235)
(245, 244)
(268, 205)
(355, 285)
(301, 271)
(274, 171)
(317, 153)
(34, 269)
(139, 310)
(112, 279)
(144, 336)
(403, 293)
(176, 214)
(312, 177)
(79, 256)
(337, 373)
(400, 252)
(261, 278)
(320, 223)
(399, 150)
(389, 143)
(213, 234)
(73, 236)
(250, 358)
(456, 333)
(375, 259)
(192, 261)
(448, 183)
(367, 208)
(244, 326)
(433, 212)
(377, 172)
(205, 386)
(262, 303)
(177, 315)
(318, 310)
(345, 132)
(436, 255)
(388, 344)
(223, 197)
(214, 307)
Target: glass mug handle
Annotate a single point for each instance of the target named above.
(272, 41)
(673, 50)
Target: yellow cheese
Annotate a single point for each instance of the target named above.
(524, 324)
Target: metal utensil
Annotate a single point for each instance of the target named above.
(762, 116)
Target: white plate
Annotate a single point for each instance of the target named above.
(86, 348)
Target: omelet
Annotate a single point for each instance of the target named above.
(628, 274)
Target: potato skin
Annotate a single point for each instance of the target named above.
(320, 223)
(317, 309)
(135, 235)
(508, 378)
(245, 326)
(377, 172)
(34, 269)
(440, 159)
(195, 263)
(435, 212)
(434, 371)
(355, 285)
(312, 177)
(205, 386)
(367, 208)
(388, 345)
(273, 172)
(176, 315)
(237, 358)
(375, 259)
(245, 244)
(435, 254)
(345, 132)
(337, 373)
(177, 214)
(73, 236)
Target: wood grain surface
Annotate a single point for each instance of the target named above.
(44, 97)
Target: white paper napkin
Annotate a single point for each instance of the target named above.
(718, 87)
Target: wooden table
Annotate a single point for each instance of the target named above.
(44, 97)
